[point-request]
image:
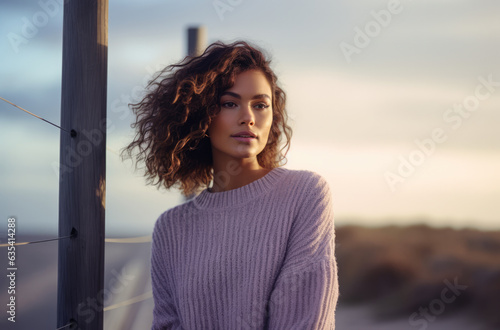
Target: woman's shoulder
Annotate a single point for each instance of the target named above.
(172, 214)
(306, 185)
(306, 177)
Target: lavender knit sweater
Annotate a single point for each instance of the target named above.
(261, 256)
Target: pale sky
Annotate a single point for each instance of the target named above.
(369, 85)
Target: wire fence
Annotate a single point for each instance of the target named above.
(125, 240)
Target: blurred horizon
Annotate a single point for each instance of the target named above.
(400, 117)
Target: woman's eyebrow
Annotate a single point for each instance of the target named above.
(261, 96)
(238, 96)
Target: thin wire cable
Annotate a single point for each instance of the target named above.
(139, 239)
(45, 120)
(65, 326)
(33, 242)
(109, 149)
(136, 299)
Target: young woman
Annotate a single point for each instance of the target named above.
(256, 250)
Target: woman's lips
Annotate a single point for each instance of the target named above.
(243, 139)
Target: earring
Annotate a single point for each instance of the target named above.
(206, 135)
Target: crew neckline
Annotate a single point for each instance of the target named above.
(228, 198)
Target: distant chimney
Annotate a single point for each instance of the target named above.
(197, 38)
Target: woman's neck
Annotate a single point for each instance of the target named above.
(234, 175)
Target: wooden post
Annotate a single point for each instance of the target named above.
(197, 37)
(196, 40)
(82, 169)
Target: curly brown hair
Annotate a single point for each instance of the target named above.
(180, 103)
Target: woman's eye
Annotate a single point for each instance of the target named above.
(261, 106)
(228, 104)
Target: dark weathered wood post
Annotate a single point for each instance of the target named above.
(83, 164)
(196, 40)
(196, 44)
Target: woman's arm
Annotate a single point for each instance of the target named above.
(164, 314)
(306, 291)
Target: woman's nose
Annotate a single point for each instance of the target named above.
(247, 115)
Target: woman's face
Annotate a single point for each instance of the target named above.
(246, 106)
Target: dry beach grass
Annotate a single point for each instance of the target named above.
(421, 272)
